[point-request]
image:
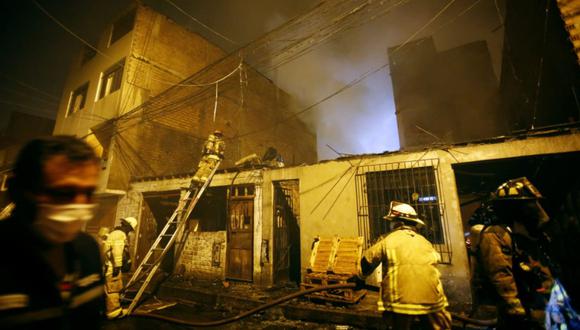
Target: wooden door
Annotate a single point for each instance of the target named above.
(240, 243)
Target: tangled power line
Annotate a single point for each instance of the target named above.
(184, 105)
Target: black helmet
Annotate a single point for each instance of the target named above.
(517, 189)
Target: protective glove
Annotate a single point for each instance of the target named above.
(116, 271)
(514, 308)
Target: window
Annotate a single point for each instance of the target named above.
(122, 26)
(414, 183)
(111, 80)
(77, 99)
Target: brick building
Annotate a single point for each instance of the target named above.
(134, 99)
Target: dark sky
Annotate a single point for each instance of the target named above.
(36, 53)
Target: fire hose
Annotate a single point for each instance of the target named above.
(278, 301)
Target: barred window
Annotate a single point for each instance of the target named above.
(414, 183)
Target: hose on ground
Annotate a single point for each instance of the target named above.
(279, 301)
(247, 313)
(468, 320)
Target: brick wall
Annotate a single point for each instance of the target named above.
(196, 261)
(165, 135)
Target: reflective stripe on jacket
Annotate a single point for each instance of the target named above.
(411, 284)
(115, 244)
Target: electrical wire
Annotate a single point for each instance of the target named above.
(541, 64)
(201, 23)
(203, 84)
(28, 96)
(27, 107)
(69, 30)
(30, 87)
(316, 26)
(429, 22)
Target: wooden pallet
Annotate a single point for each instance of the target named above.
(334, 261)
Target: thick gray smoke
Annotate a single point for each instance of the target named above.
(361, 119)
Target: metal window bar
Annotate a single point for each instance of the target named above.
(413, 182)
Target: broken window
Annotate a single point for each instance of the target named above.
(122, 26)
(77, 99)
(111, 79)
(414, 183)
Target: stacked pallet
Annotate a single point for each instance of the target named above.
(334, 260)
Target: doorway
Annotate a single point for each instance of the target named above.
(286, 231)
(240, 233)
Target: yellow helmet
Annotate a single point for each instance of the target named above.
(517, 189)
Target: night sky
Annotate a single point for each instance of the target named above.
(36, 54)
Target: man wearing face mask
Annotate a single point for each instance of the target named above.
(509, 256)
(50, 276)
(117, 259)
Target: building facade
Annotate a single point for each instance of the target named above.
(438, 93)
(134, 99)
(259, 225)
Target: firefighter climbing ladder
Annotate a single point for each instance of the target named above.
(152, 260)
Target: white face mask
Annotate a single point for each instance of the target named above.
(61, 223)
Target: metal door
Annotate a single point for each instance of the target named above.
(286, 232)
(240, 233)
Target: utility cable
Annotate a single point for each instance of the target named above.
(412, 36)
(541, 63)
(239, 67)
(201, 23)
(23, 84)
(29, 97)
(69, 30)
(358, 79)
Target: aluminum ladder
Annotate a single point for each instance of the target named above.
(165, 241)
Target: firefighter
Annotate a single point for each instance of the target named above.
(212, 154)
(411, 287)
(50, 277)
(510, 261)
(117, 261)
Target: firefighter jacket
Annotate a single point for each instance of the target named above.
(33, 296)
(411, 283)
(509, 264)
(214, 147)
(115, 246)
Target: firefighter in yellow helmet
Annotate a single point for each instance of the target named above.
(117, 260)
(411, 286)
(212, 154)
(509, 257)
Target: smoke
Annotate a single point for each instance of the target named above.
(362, 118)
